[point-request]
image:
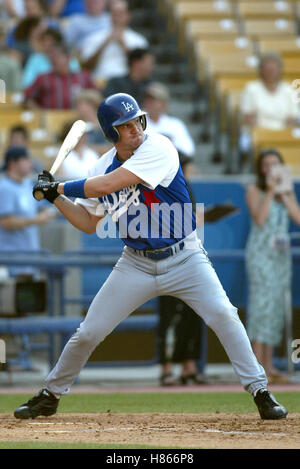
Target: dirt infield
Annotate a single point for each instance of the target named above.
(158, 430)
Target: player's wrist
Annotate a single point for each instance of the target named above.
(60, 188)
(74, 189)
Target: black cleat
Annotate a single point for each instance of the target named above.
(42, 403)
(268, 407)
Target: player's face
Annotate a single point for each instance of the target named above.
(131, 133)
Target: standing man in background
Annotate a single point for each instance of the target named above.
(19, 214)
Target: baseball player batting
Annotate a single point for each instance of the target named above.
(139, 175)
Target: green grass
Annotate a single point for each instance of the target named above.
(155, 402)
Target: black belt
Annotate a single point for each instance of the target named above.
(159, 254)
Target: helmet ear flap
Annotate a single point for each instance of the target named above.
(143, 121)
(116, 135)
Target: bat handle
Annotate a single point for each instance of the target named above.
(38, 195)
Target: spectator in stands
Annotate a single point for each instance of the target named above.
(267, 102)
(156, 104)
(19, 137)
(26, 36)
(79, 160)
(179, 331)
(22, 34)
(268, 259)
(10, 67)
(19, 216)
(105, 52)
(141, 63)
(81, 26)
(39, 60)
(58, 88)
(87, 103)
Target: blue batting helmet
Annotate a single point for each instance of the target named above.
(116, 110)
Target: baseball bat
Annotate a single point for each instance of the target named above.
(71, 140)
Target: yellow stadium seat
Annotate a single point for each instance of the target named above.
(11, 117)
(236, 64)
(220, 47)
(265, 10)
(280, 27)
(13, 100)
(207, 29)
(292, 65)
(266, 137)
(233, 83)
(185, 10)
(291, 156)
(213, 29)
(286, 141)
(285, 46)
(54, 120)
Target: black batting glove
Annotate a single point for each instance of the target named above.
(46, 176)
(49, 190)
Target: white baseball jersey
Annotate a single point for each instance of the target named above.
(156, 213)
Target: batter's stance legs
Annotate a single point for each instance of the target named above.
(134, 280)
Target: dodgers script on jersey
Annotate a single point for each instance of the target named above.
(156, 213)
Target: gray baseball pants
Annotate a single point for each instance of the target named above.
(135, 279)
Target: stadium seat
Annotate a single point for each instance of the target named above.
(291, 157)
(284, 46)
(54, 120)
(266, 137)
(286, 141)
(213, 29)
(11, 117)
(235, 64)
(208, 29)
(184, 11)
(219, 47)
(291, 65)
(281, 27)
(13, 101)
(265, 9)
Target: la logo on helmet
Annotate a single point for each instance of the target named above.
(129, 107)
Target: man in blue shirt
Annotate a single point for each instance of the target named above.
(19, 212)
(139, 183)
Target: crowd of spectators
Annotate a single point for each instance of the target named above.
(52, 50)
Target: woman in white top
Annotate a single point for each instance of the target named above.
(267, 102)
